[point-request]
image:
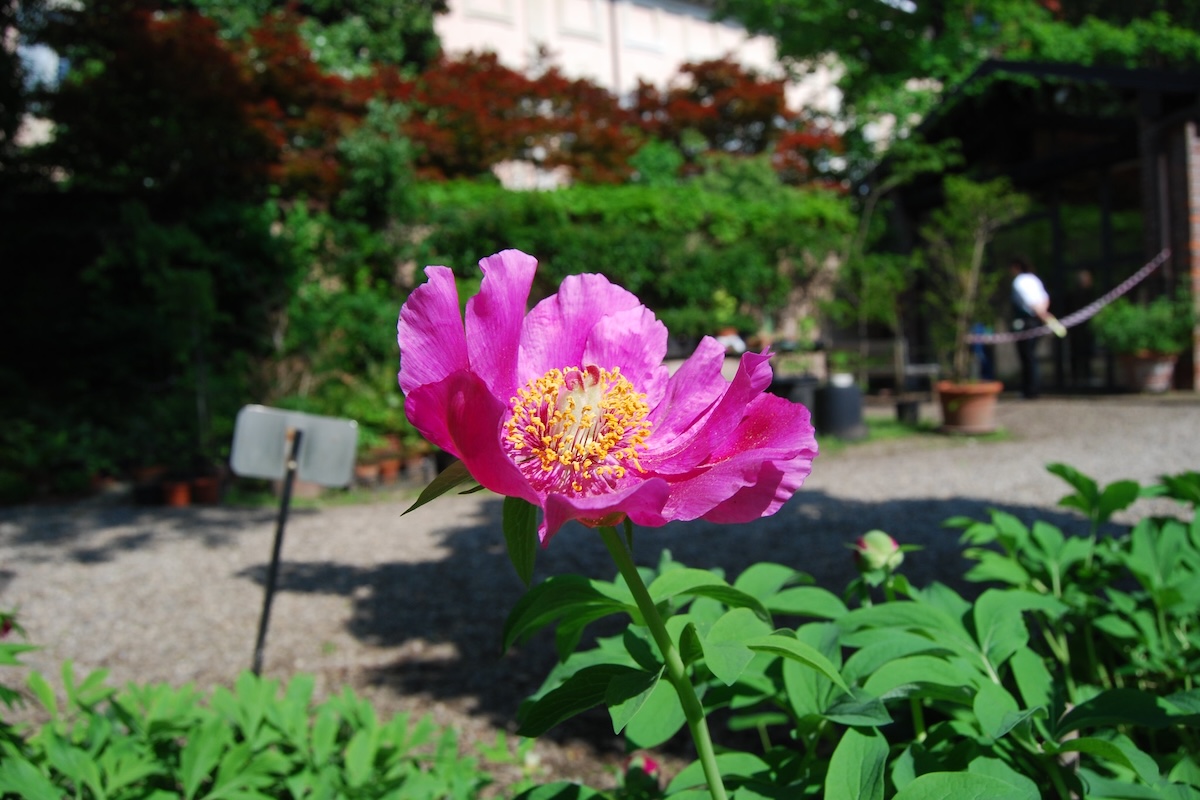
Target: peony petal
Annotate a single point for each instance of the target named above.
(774, 432)
(683, 452)
(494, 318)
(635, 341)
(642, 502)
(460, 415)
(556, 331)
(430, 332)
(691, 393)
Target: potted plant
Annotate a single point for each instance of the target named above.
(957, 236)
(1147, 338)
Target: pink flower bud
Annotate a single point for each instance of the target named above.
(875, 551)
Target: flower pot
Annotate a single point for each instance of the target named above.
(206, 490)
(968, 408)
(839, 411)
(366, 474)
(177, 493)
(908, 412)
(1147, 372)
(389, 470)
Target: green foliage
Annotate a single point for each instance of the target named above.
(657, 163)
(673, 247)
(898, 59)
(1069, 673)
(345, 37)
(957, 235)
(1164, 325)
(255, 740)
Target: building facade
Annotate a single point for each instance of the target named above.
(614, 43)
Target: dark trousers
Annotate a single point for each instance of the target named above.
(1031, 383)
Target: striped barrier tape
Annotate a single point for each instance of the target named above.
(1077, 317)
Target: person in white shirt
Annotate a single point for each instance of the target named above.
(1031, 306)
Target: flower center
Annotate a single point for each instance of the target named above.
(577, 430)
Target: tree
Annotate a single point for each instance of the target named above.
(345, 37)
(897, 56)
(957, 235)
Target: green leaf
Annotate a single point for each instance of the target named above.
(787, 646)
(857, 708)
(585, 689)
(1115, 707)
(702, 583)
(324, 736)
(878, 647)
(20, 778)
(201, 753)
(660, 718)
(995, 768)
(896, 678)
(1116, 497)
(743, 764)
(856, 768)
(562, 790)
(446, 480)
(942, 629)
(993, 566)
(1087, 493)
(360, 757)
(521, 536)
(765, 579)
(1033, 679)
(956, 785)
(1119, 752)
(626, 694)
(999, 626)
(552, 599)
(807, 601)
(996, 710)
(725, 650)
(44, 693)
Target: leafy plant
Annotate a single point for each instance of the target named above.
(255, 740)
(957, 235)
(1164, 325)
(1051, 682)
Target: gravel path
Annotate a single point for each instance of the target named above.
(408, 610)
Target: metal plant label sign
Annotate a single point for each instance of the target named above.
(261, 445)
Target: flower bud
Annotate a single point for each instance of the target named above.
(875, 551)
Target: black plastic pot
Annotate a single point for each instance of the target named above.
(839, 412)
(799, 389)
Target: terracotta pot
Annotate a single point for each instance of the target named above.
(968, 407)
(1147, 372)
(389, 470)
(366, 474)
(177, 493)
(206, 490)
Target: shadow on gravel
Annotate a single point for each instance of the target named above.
(95, 534)
(446, 616)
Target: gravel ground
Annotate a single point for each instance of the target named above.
(408, 610)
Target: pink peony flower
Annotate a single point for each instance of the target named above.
(571, 408)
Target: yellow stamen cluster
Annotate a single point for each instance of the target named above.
(577, 430)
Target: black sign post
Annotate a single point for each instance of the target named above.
(275, 444)
(289, 479)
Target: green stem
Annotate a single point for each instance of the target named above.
(918, 716)
(676, 671)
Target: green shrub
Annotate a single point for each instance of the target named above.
(254, 741)
(1071, 674)
(1164, 325)
(672, 246)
